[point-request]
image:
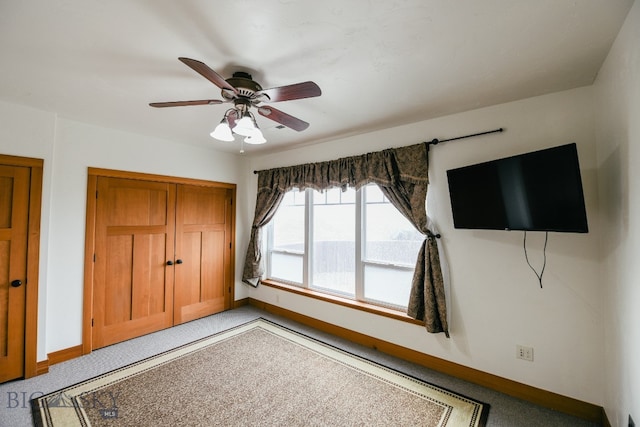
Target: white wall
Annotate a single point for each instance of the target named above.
(618, 156)
(496, 299)
(68, 149)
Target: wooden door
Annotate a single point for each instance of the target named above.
(203, 251)
(134, 239)
(14, 210)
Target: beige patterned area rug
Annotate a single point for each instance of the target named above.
(257, 374)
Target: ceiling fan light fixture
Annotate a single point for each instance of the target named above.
(256, 138)
(246, 126)
(223, 132)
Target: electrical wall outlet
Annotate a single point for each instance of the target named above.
(524, 353)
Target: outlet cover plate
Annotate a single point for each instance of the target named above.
(524, 353)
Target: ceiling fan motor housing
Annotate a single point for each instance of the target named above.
(244, 84)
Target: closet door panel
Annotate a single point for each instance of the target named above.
(213, 264)
(133, 284)
(203, 246)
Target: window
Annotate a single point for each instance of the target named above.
(353, 244)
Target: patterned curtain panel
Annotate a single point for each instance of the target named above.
(402, 174)
(266, 206)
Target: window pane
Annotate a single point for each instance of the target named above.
(333, 260)
(287, 248)
(389, 236)
(287, 267)
(288, 223)
(387, 285)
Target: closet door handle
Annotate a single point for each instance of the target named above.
(178, 261)
(16, 283)
(169, 262)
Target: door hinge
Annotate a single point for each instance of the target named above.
(94, 257)
(92, 322)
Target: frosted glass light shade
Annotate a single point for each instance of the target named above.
(255, 138)
(223, 132)
(245, 126)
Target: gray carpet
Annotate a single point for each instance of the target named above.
(15, 410)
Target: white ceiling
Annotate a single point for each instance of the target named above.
(379, 63)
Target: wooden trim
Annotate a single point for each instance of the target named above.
(42, 367)
(33, 259)
(65, 354)
(230, 302)
(110, 173)
(89, 249)
(345, 302)
(33, 270)
(21, 161)
(531, 394)
(241, 303)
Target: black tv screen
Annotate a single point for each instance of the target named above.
(537, 191)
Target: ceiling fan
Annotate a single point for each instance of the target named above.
(244, 93)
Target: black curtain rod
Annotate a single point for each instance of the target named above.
(437, 141)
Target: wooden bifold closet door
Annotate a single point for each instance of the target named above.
(162, 255)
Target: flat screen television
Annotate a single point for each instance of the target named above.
(536, 191)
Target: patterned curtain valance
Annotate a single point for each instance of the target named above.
(385, 168)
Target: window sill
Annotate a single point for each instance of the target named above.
(356, 305)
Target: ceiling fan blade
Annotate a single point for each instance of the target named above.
(208, 73)
(283, 118)
(185, 103)
(294, 91)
